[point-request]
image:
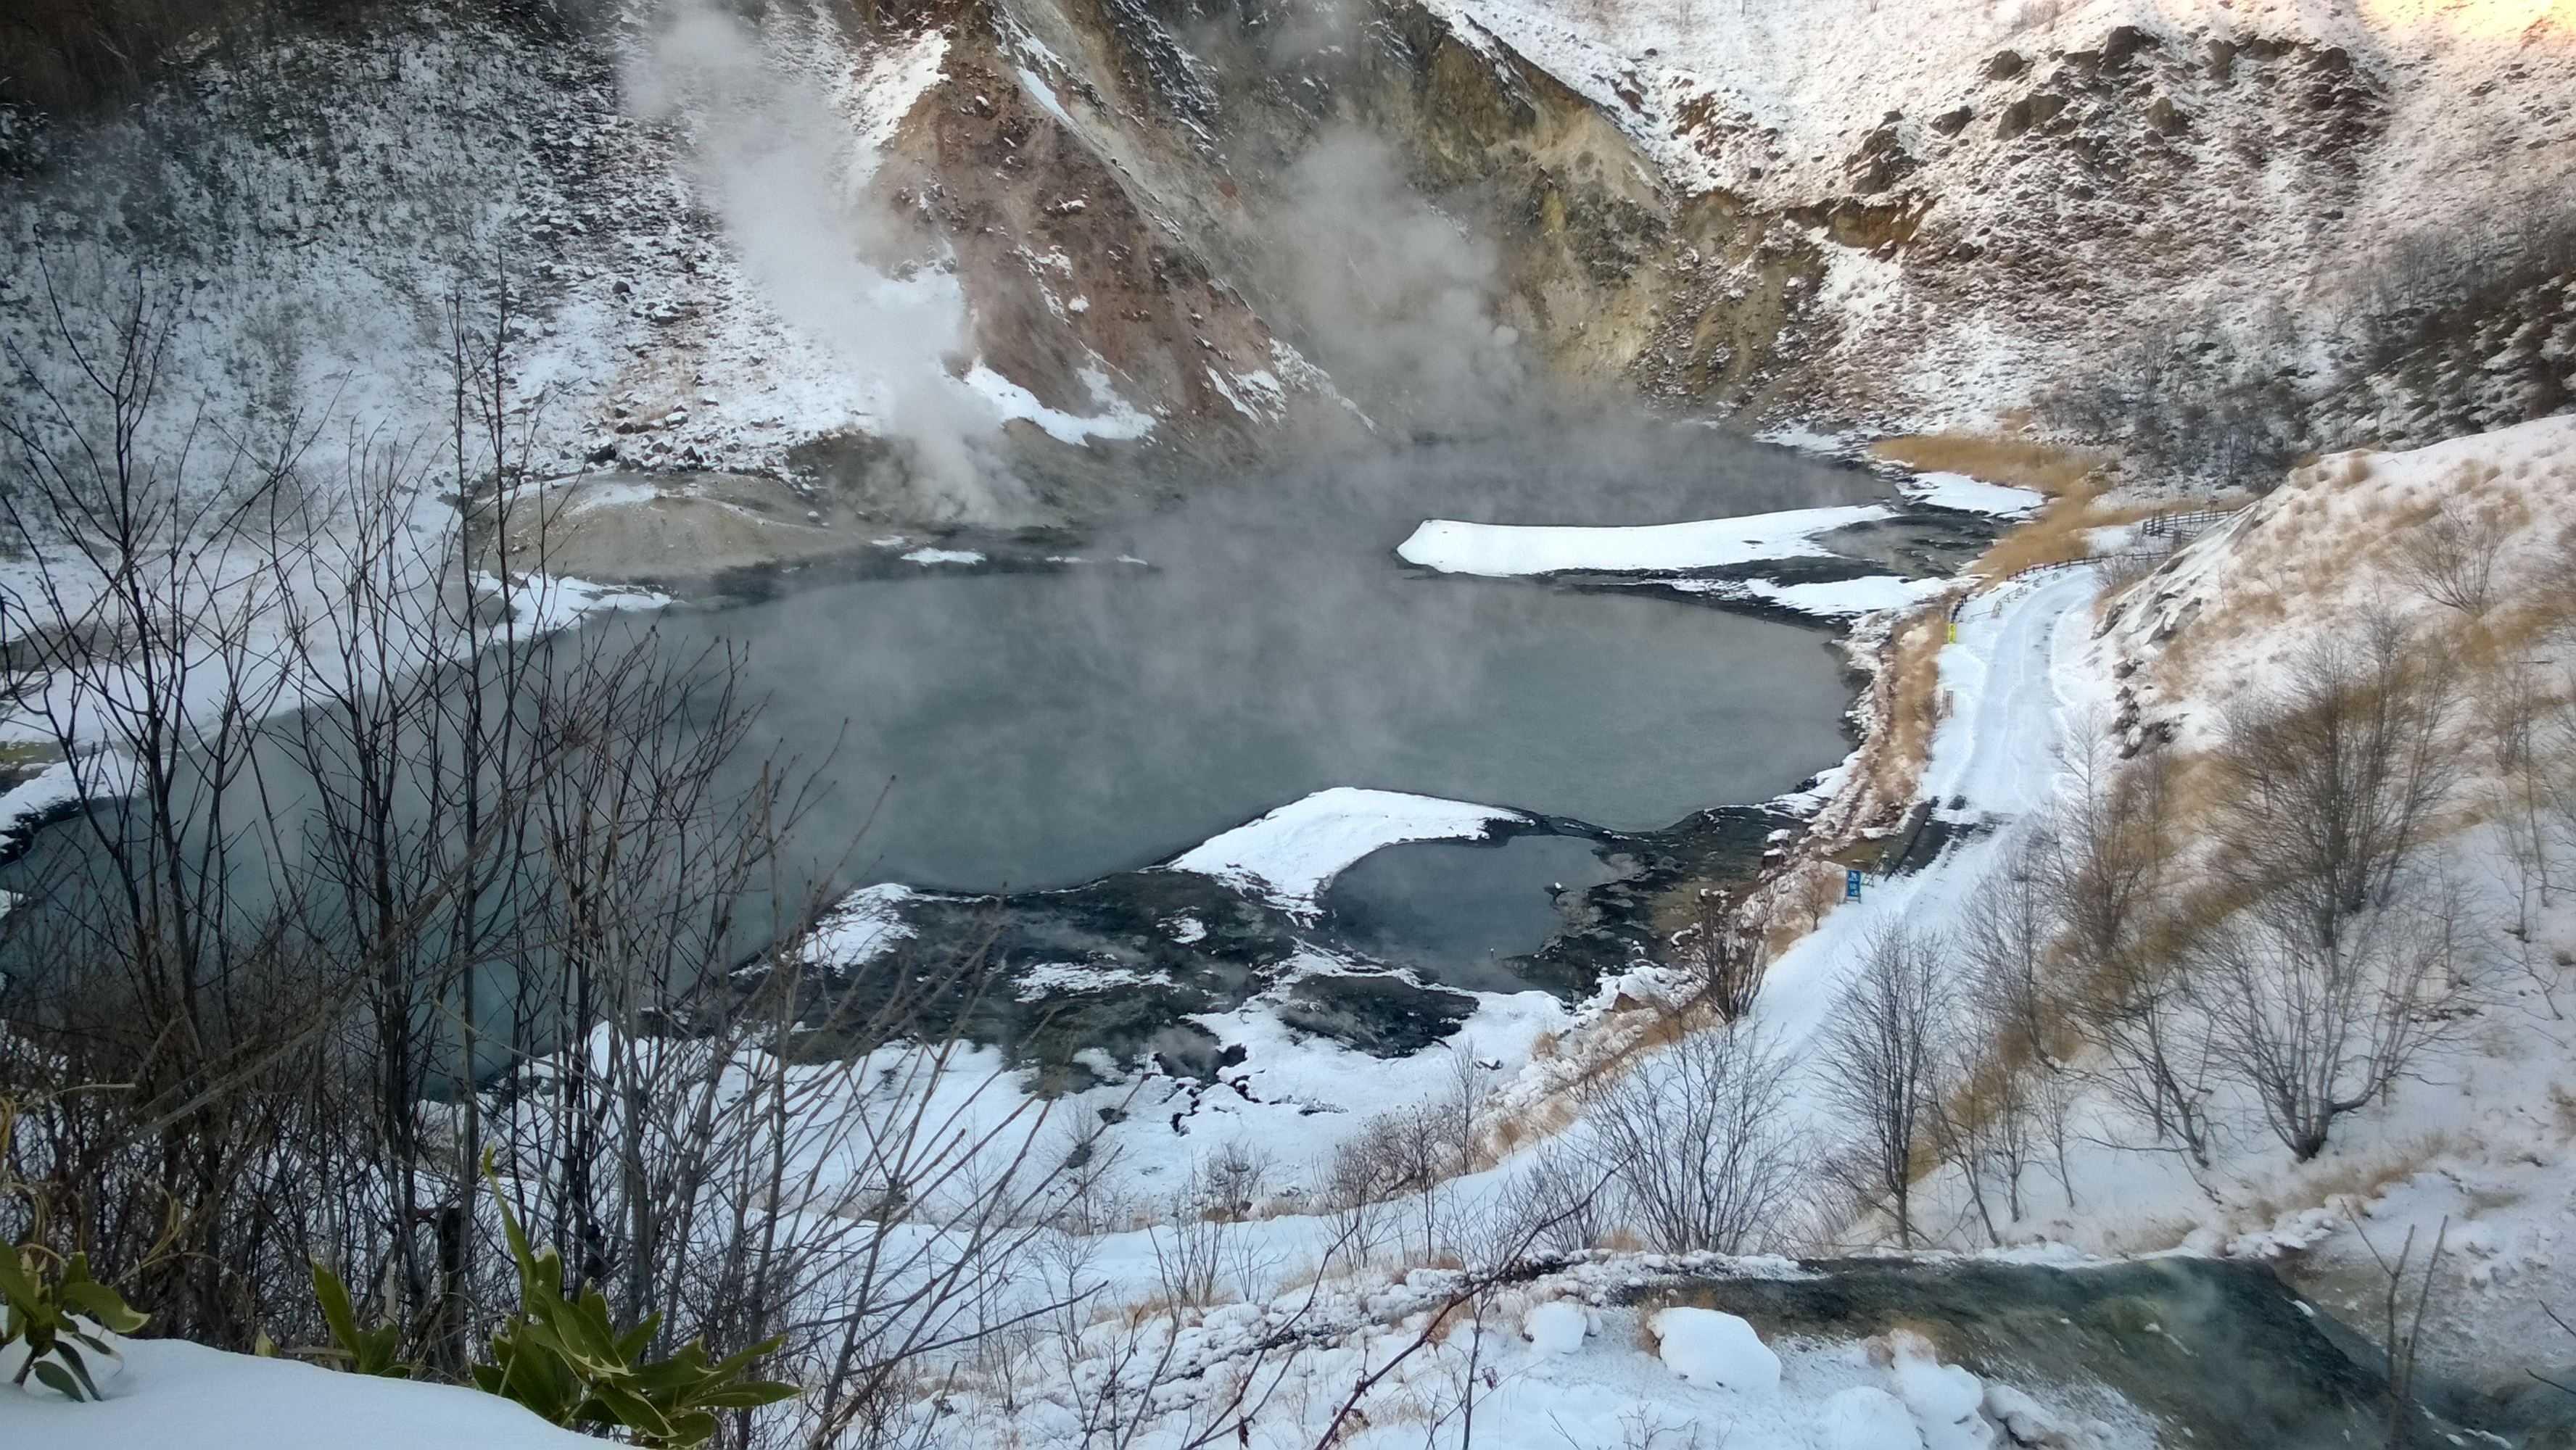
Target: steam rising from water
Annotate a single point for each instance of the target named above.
(787, 171)
(1389, 294)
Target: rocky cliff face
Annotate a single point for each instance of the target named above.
(1018, 261)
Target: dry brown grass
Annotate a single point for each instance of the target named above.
(2013, 459)
(2073, 479)
(1910, 704)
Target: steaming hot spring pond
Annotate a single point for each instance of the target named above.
(1041, 717)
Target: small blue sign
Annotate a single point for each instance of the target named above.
(1851, 886)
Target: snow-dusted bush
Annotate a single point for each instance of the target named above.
(1694, 1141)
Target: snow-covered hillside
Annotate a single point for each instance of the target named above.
(2017, 193)
(947, 271)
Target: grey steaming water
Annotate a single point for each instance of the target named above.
(1036, 729)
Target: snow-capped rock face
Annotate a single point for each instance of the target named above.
(978, 265)
(1987, 201)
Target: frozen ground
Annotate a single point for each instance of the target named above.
(173, 1395)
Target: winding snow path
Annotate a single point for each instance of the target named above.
(2007, 677)
(2015, 680)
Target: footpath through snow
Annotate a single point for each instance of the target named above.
(2016, 685)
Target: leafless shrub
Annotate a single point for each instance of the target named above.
(1231, 1180)
(1883, 1062)
(2450, 558)
(2334, 780)
(2402, 1325)
(1724, 955)
(2116, 884)
(1561, 1192)
(2020, 1008)
(2319, 1027)
(484, 886)
(1694, 1141)
(2004, 941)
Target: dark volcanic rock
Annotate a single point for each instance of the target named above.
(1385, 1016)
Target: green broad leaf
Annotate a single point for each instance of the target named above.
(690, 1427)
(530, 1265)
(101, 1345)
(634, 1341)
(105, 1305)
(669, 1380)
(586, 1330)
(533, 1380)
(747, 1394)
(80, 1367)
(336, 1310)
(58, 1379)
(18, 1285)
(625, 1407)
(733, 1364)
(545, 1338)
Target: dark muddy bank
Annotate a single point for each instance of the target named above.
(1121, 964)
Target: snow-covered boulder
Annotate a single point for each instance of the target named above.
(1556, 1328)
(1707, 1347)
(1947, 1401)
(1865, 1417)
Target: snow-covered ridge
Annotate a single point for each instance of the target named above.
(2328, 548)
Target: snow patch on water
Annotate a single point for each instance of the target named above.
(1502, 551)
(1972, 495)
(1290, 855)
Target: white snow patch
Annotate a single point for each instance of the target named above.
(1971, 495)
(52, 788)
(1117, 420)
(1556, 1328)
(1866, 1417)
(1501, 551)
(1048, 979)
(928, 557)
(174, 1393)
(1946, 1400)
(1291, 854)
(1709, 1347)
(1044, 94)
(862, 927)
(1847, 598)
(1805, 439)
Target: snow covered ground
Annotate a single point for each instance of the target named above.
(2019, 683)
(173, 1395)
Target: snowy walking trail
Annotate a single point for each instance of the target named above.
(2010, 678)
(2015, 681)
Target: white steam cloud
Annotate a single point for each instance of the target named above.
(787, 171)
(1392, 296)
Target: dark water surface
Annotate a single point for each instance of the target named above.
(1037, 729)
(1460, 911)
